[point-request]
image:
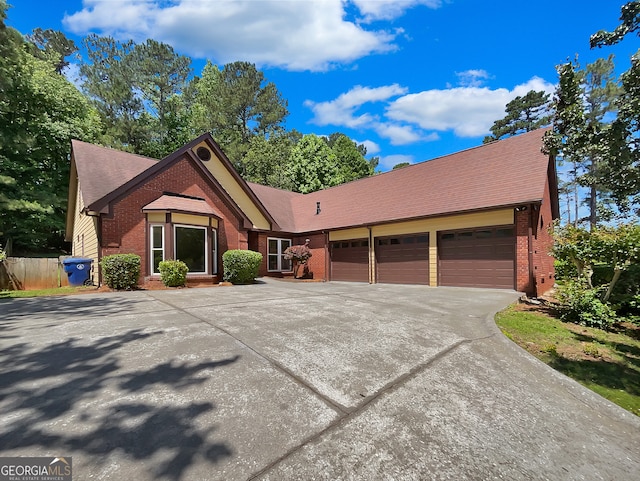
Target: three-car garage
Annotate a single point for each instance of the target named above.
(474, 257)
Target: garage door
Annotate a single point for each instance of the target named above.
(403, 259)
(477, 258)
(350, 260)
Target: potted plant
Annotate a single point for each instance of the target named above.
(300, 255)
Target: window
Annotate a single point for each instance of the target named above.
(157, 247)
(507, 232)
(275, 254)
(190, 245)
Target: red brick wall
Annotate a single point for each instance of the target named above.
(543, 268)
(316, 264)
(540, 218)
(123, 231)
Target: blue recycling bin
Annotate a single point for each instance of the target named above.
(78, 270)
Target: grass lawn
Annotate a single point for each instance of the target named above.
(605, 362)
(58, 291)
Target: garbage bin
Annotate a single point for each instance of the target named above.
(78, 270)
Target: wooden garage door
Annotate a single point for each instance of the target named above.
(482, 257)
(403, 259)
(350, 260)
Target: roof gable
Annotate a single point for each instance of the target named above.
(217, 163)
(122, 171)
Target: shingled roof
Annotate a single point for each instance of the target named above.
(103, 170)
(176, 203)
(500, 174)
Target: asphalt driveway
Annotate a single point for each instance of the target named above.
(296, 381)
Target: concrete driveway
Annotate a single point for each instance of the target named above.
(296, 381)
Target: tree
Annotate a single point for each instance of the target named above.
(600, 94)
(613, 247)
(161, 76)
(401, 165)
(235, 105)
(630, 18)
(350, 158)
(267, 158)
(582, 102)
(40, 111)
(110, 80)
(623, 139)
(524, 114)
(52, 46)
(313, 165)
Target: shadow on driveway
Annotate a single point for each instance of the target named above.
(64, 381)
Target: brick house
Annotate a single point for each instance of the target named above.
(476, 218)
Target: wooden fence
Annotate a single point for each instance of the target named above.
(26, 273)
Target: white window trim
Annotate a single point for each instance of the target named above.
(278, 254)
(206, 245)
(153, 249)
(214, 250)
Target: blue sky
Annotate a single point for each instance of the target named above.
(411, 79)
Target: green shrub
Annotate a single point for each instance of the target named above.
(241, 266)
(121, 271)
(173, 273)
(582, 305)
(565, 269)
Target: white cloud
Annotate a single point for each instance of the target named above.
(387, 162)
(372, 147)
(390, 9)
(295, 35)
(467, 111)
(342, 110)
(472, 78)
(398, 134)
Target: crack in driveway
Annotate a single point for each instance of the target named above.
(344, 413)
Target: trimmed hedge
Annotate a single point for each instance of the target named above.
(241, 266)
(173, 273)
(121, 271)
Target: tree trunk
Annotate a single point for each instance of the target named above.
(616, 275)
